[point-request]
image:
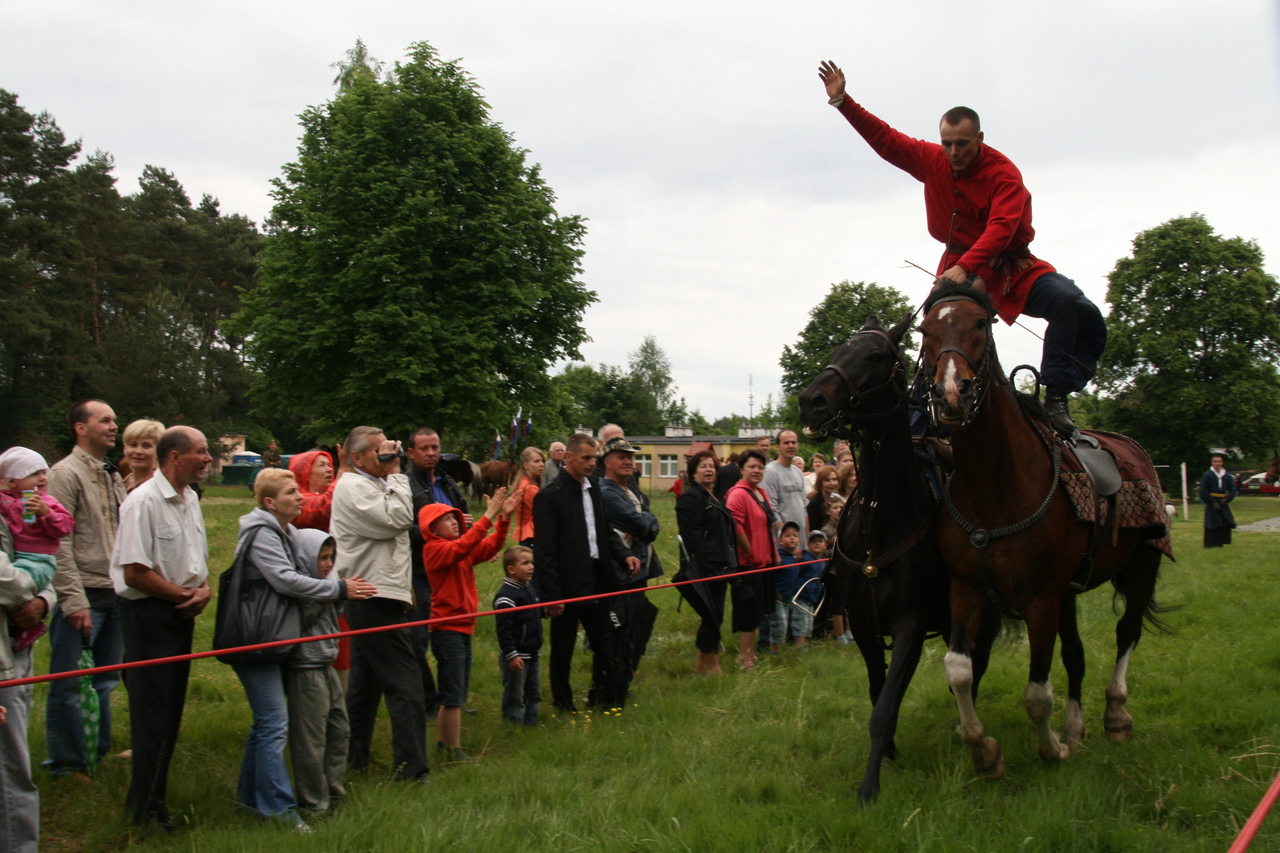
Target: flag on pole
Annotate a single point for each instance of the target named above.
(497, 445)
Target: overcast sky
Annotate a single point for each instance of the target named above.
(723, 195)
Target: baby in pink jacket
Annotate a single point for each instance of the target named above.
(38, 523)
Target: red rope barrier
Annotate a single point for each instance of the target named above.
(1245, 838)
(55, 676)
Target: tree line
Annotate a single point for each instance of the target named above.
(414, 270)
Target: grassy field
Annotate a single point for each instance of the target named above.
(770, 760)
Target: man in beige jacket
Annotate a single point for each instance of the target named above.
(372, 514)
(88, 608)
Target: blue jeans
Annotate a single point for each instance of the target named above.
(521, 692)
(1076, 334)
(264, 780)
(453, 666)
(64, 730)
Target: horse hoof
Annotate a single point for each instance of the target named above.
(1056, 756)
(988, 759)
(1121, 734)
(1073, 739)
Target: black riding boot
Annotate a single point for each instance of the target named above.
(1055, 406)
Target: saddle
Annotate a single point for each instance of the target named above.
(1111, 482)
(1097, 463)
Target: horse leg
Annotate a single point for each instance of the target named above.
(1139, 584)
(908, 643)
(967, 607)
(987, 633)
(872, 649)
(1074, 663)
(1042, 633)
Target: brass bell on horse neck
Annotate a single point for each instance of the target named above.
(870, 570)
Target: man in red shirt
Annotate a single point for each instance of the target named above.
(978, 207)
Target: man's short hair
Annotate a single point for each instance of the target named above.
(427, 431)
(956, 115)
(579, 440)
(358, 439)
(177, 438)
(783, 432)
(269, 482)
(79, 413)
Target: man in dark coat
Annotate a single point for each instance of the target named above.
(627, 510)
(429, 485)
(575, 551)
(1217, 491)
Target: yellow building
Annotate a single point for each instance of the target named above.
(661, 459)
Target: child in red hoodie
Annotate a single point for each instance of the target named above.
(448, 556)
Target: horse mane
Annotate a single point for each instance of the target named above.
(942, 291)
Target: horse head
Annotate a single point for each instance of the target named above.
(866, 379)
(958, 352)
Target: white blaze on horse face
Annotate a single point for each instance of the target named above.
(949, 384)
(946, 309)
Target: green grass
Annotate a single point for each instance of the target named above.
(771, 760)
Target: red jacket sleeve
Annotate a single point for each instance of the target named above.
(440, 553)
(907, 153)
(491, 545)
(1009, 199)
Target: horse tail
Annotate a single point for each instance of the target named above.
(1152, 610)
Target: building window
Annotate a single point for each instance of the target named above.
(644, 465)
(668, 467)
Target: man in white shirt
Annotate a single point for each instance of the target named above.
(372, 514)
(159, 568)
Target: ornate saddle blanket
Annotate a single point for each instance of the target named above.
(1139, 504)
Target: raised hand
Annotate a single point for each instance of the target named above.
(832, 78)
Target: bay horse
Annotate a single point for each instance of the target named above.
(885, 568)
(1011, 538)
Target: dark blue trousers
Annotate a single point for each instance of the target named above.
(1076, 335)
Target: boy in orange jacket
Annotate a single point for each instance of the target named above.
(448, 556)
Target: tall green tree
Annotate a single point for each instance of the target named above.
(833, 321)
(104, 295)
(1193, 339)
(418, 271)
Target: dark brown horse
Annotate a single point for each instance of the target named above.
(1013, 543)
(497, 473)
(885, 568)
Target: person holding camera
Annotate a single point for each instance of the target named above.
(371, 516)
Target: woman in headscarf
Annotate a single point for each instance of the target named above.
(314, 473)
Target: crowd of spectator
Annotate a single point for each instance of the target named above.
(115, 556)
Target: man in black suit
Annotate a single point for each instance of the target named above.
(574, 551)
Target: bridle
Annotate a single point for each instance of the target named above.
(844, 423)
(983, 371)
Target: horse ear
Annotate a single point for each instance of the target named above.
(900, 330)
(872, 323)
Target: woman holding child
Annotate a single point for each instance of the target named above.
(267, 540)
(707, 536)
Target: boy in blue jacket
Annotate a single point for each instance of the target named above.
(795, 567)
(519, 638)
